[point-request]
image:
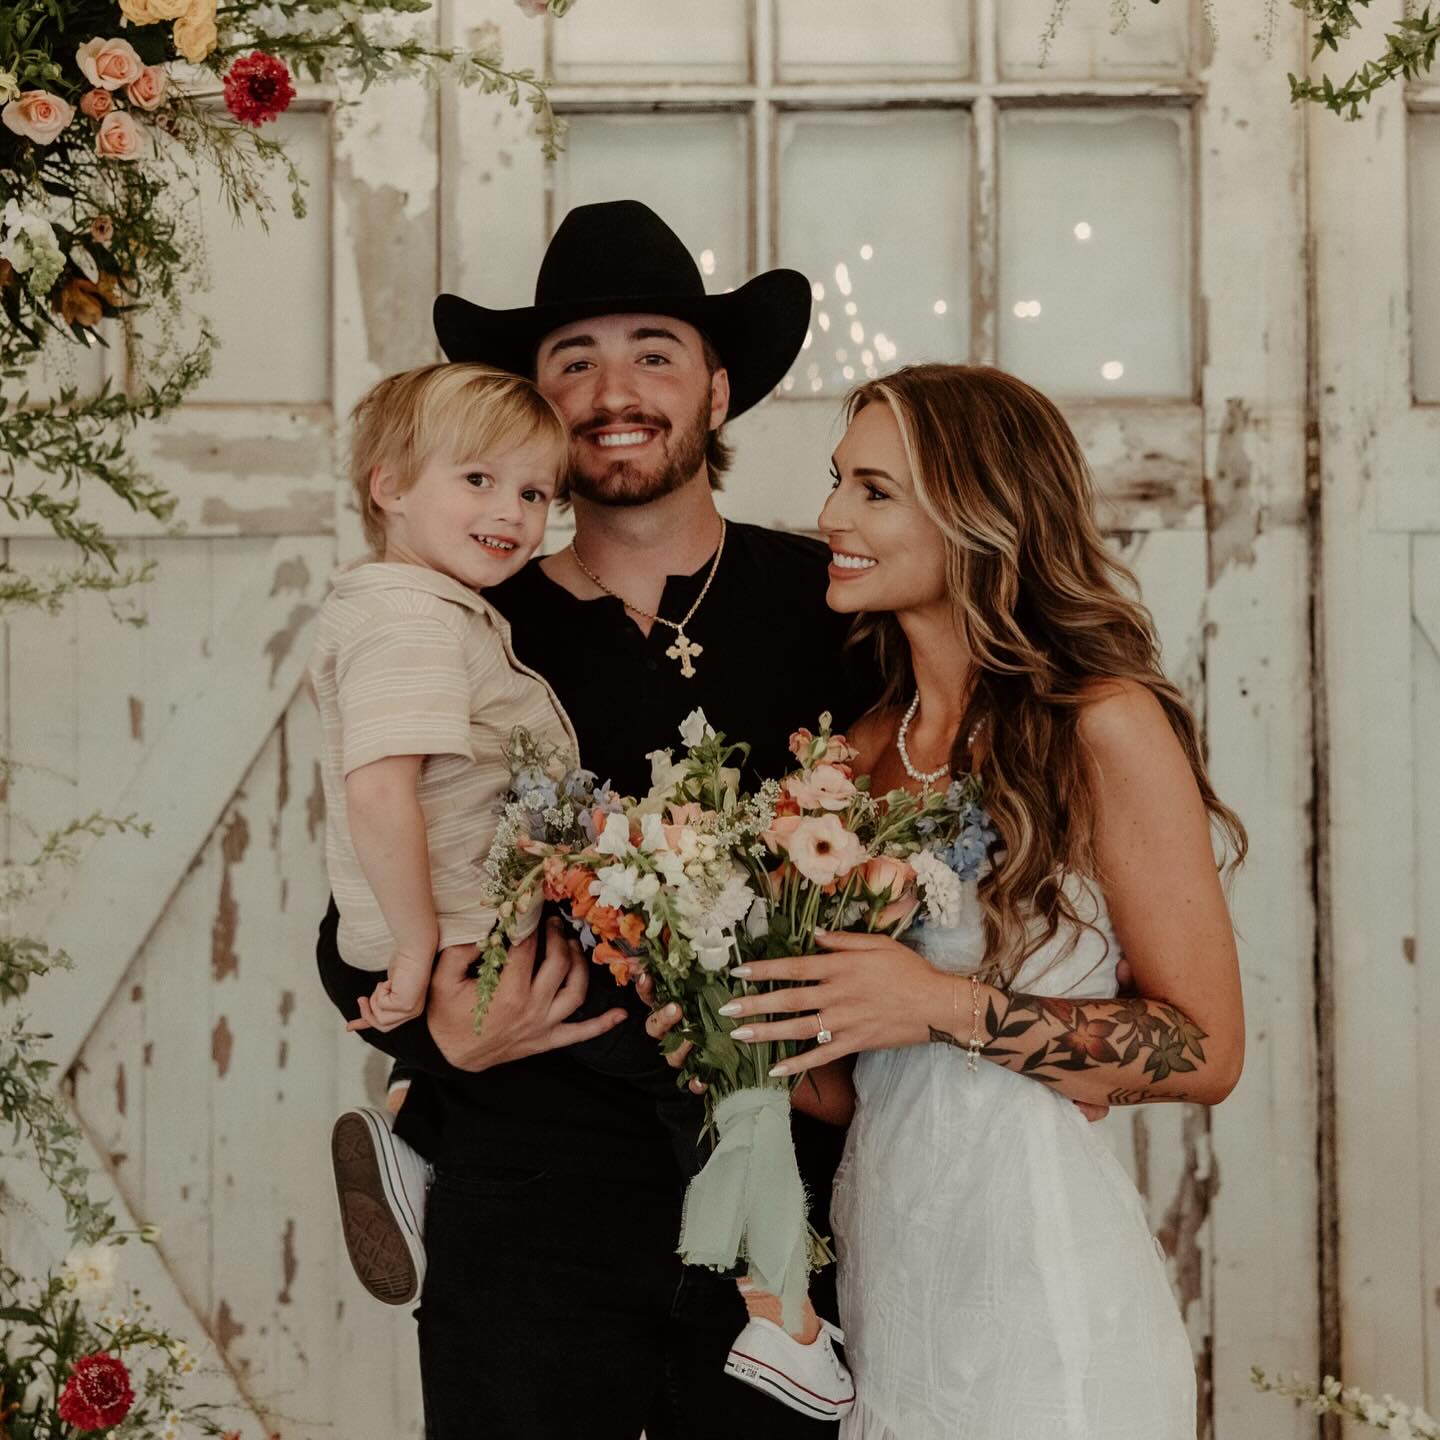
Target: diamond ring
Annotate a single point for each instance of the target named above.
(822, 1035)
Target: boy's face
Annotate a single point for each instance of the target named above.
(477, 519)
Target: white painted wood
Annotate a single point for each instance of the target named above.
(234, 701)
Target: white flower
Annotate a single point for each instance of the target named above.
(941, 888)
(712, 949)
(695, 729)
(757, 922)
(652, 833)
(89, 1271)
(9, 86)
(619, 885)
(615, 837)
(665, 773)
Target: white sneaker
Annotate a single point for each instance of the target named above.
(810, 1378)
(381, 1184)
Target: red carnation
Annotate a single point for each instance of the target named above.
(97, 1395)
(258, 88)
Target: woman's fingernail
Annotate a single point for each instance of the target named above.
(742, 1032)
(743, 971)
(672, 1009)
(776, 1071)
(731, 1008)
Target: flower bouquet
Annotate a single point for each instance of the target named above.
(75, 1361)
(698, 877)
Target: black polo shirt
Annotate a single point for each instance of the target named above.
(773, 658)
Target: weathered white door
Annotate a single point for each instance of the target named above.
(203, 1058)
(1376, 217)
(1123, 227)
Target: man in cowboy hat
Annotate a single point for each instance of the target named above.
(554, 1304)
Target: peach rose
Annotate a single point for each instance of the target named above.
(109, 64)
(97, 104)
(148, 90)
(195, 34)
(823, 850)
(782, 827)
(118, 137)
(38, 115)
(826, 787)
(885, 875)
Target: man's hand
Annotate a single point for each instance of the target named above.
(528, 1013)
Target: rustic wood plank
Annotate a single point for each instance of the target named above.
(233, 702)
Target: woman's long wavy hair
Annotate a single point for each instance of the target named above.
(1046, 611)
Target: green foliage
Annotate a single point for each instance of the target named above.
(1409, 52)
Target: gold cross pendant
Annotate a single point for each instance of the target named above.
(683, 650)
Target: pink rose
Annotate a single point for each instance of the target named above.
(38, 115)
(800, 742)
(839, 751)
(109, 63)
(823, 850)
(148, 89)
(118, 137)
(97, 104)
(826, 787)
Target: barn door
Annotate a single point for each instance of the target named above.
(203, 1058)
(1377, 259)
(1122, 227)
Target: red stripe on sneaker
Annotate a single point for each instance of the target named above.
(766, 1365)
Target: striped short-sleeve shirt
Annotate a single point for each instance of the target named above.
(409, 661)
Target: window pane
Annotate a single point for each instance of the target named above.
(1094, 288)
(289, 265)
(891, 275)
(614, 40)
(859, 39)
(1154, 40)
(1425, 253)
(689, 169)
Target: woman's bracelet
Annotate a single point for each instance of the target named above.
(973, 1061)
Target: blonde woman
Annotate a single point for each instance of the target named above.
(998, 1279)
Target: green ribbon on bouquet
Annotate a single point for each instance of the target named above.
(750, 1190)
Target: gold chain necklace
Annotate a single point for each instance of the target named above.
(684, 649)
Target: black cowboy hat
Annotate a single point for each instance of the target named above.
(620, 257)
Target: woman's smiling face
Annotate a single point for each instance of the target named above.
(885, 551)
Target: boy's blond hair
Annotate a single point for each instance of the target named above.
(458, 412)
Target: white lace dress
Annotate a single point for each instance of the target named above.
(998, 1280)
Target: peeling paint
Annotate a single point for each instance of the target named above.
(223, 958)
(315, 804)
(1232, 515)
(120, 1088)
(1407, 948)
(291, 574)
(282, 787)
(227, 1328)
(137, 994)
(283, 1057)
(1187, 1213)
(244, 456)
(222, 1045)
(282, 642)
(287, 1006)
(287, 1261)
(385, 238)
(137, 718)
(148, 1053)
(306, 512)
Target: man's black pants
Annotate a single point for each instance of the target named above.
(554, 1309)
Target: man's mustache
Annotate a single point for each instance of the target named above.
(602, 418)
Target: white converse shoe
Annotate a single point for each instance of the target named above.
(381, 1184)
(809, 1378)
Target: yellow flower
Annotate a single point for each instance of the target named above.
(195, 35)
(139, 12)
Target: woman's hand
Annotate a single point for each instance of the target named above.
(872, 992)
(661, 1022)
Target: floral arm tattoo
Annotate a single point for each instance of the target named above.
(1147, 1042)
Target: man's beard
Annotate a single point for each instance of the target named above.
(624, 482)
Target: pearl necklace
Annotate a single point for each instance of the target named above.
(904, 730)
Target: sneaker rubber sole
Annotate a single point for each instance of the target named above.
(375, 1213)
(766, 1377)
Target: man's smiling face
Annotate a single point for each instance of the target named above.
(640, 400)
